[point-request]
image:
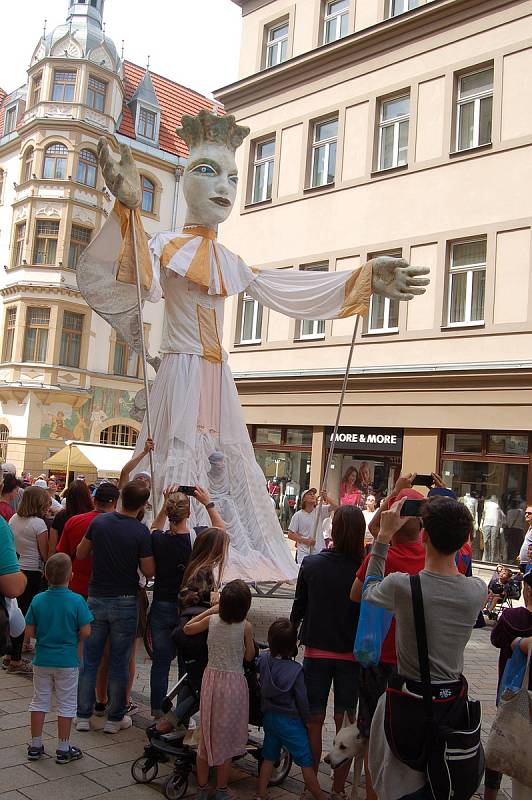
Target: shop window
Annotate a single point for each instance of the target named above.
(276, 44)
(36, 85)
(4, 440)
(36, 335)
(312, 328)
(18, 250)
(393, 132)
(299, 436)
(335, 20)
(467, 282)
(474, 109)
(79, 239)
(397, 7)
(70, 351)
(251, 324)
(64, 86)
(508, 444)
(125, 359)
(96, 92)
(268, 435)
(10, 119)
(148, 195)
(45, 247)
(27, 165)
(55, 162)
(466, 442)
(87, 168)
(323, 157)
(9, 334)
(120, 435)
(263, 165)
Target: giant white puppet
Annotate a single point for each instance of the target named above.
(197, 423)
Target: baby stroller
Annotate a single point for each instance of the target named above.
(505, 594)
(162, 748)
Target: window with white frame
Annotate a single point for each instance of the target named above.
(393, 132)
(121, 435)
(148, 195)
(45, 247)
(335, 20)
(312, 328)
(324, 142)
(18, 249)
(10, 119)
(467, 282)
(9, 333)
(70, 350)
(383, 314)
(474, 109)
(397, 7)
(147, 124)
(263, 171)
(36, 334)
(96, 92)
(276, 44)
(251, 321)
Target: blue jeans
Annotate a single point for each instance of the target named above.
(114, 618)
(163, 618)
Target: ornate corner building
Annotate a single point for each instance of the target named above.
(64, 374)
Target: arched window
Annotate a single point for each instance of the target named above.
(27, 165)
(148, 195)
(121, 435)
(2, 182)
(87, 166)
(4, 439)
(55, 162)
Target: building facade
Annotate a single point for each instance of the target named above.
(391, 127)
(64, 374)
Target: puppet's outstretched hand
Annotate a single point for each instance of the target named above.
(395, 278)
(121, 177)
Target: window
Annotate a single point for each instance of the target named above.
(402, 6)
(148, 195)
(393, 132)
(251, 325)
(79, 239)
(4, 439)
(18, 252)
(87, 168)
(96, 94)
(126, 360)
(64, 86)
(2, 182)
(324, 152)
(36, 86)
(263, 171)
(71, 339)
(383, 315)
(45, 247)
(312, 328)
(55, 162)
(276, 45)
(147, 121)
(121, 435)
(336, 20)
(36, 334)
(475, 104)
(467, 280)
(10, 120)
(9, 334)
(27, 165)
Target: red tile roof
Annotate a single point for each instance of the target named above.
(174, 99)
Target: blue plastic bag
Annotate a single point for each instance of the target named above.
(514, 673)
(373, 626)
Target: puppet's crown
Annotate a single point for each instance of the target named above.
(207, 127)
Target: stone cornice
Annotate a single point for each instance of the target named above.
(38, 288)
(377, 40)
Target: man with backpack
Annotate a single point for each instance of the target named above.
(427, 700)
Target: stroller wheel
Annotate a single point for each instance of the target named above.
(144, 769)
(176, 787)
(281, 768)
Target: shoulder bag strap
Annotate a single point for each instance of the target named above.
(421, 639)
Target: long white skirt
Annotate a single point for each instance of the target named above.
(195, 412)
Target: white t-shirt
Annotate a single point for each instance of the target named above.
(303, 523)
(368, 516)
(56, 506)
(25, 531)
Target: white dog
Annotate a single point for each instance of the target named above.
(348, 744)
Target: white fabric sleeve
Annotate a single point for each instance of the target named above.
(313, 295)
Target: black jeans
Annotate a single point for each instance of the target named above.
(33, 587)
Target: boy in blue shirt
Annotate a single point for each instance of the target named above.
(59, 620)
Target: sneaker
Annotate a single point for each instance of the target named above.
(203, 794)
(34, 753)
(83, 725)
(131, 707)
(100, 709)
(223, 794)
(112, 726)
(66, 756)
(24, 668)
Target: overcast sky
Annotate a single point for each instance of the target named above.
(194, 43)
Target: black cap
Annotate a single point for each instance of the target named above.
(106, 493)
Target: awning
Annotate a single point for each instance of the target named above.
(105, 459)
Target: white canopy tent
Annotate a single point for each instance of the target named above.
(105, 460)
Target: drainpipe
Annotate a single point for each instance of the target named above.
(178, 174)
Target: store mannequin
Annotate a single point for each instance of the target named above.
(471, 503)
(491, 523)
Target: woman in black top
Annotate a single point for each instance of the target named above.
(329, 622)
(171, 551)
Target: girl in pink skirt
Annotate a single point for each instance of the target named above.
(224, 704)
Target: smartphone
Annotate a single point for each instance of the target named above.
(423, 480)
(412, 508)
(190, 490)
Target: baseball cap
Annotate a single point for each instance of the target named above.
(410, 494)
(442, 491)
(106, 493)
(8, 468)
(41, 484)
(307, 491)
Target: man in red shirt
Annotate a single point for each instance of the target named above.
(406, 554)
(105, 499)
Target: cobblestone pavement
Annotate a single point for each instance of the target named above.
(104, 772)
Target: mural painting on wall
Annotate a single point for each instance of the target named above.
(61, 421)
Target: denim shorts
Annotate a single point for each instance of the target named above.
(289, 732)
(321, 674)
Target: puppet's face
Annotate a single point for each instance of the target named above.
(209, 184)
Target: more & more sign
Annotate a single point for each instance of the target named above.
(366, 440)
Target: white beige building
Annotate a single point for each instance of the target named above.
(390, 126)
(63, 373)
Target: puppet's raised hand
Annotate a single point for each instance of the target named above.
(121, 177)
(395, 278)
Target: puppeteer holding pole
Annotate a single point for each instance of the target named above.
(197, 422)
